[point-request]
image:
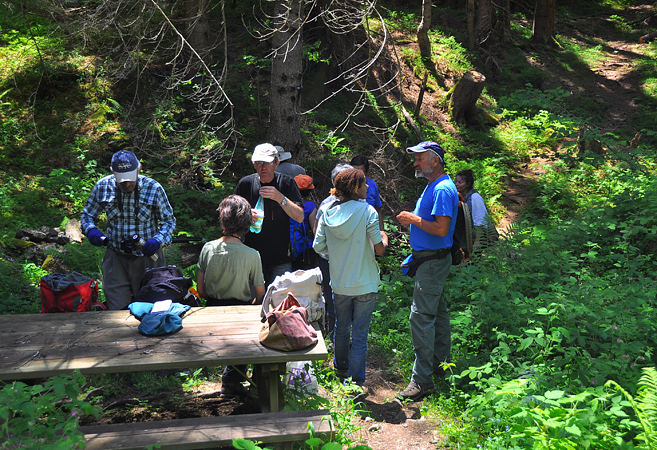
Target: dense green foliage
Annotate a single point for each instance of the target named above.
(541, 321)
(32, 417)
(544, 324)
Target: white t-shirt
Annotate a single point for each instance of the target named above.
(478, 210)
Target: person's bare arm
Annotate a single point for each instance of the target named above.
(312, 220)
(294, 211)
(260, 294)
(378, 211)
(439, 227)
(384, 238)
(380, 248)
(200, 284)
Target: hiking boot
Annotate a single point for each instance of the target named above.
(232, 390)
(342, 374)
(415, 391)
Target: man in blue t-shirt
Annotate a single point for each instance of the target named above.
(431, 227)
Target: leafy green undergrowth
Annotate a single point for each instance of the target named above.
(542, 321)
(35, 417)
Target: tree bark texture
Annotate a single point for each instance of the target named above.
(503, 24)
(463, 96)
(286, 76)
(543, 28)
(198, 26)
(423, 30)
(484, 22)
(470, 21)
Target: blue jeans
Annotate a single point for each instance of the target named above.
(328, 294)
(353, 315)
(430, 327)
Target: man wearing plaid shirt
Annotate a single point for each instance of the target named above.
(135, 205)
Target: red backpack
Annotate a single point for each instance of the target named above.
(71, 292)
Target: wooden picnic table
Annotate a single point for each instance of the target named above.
(44, 345)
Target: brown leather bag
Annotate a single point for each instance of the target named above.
(286, 327)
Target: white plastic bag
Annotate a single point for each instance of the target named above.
(305, 285)
(301, 377)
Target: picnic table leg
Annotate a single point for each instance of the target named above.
(267, 378)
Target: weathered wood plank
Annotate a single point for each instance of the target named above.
(38, 368)
(108, 342)
(35, 322)
(68, 337)
(205, 432)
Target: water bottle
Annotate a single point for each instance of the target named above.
(260, 213)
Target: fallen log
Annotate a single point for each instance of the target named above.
(648, 37)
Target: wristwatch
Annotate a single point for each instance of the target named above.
(284, 202)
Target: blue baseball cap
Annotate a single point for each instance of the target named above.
(428, 146)
(125, 166)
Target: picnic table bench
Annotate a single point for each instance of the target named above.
(44, 345)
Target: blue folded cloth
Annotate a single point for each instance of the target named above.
(140, 309)
(158, 324)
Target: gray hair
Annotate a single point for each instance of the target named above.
(339, 168)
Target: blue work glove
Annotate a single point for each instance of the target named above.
(150, 247)
(96, 237)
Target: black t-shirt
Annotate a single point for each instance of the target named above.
(273, 241)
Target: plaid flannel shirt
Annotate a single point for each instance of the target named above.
(154, 212)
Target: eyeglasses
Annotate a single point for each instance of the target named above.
(258, 164)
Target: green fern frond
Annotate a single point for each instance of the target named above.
(645, 406)
(647, 401)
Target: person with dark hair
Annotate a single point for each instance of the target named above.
(226, 266)
(348, 231)
(226, 270)
(431, 229)
(324, 258)
(282, 201)
(140, 221)
(361, 163)
(484, 228)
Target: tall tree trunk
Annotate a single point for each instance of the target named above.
(503, 26)
(423, 30)
(484, 22)
(470, 20)
(543, 29)
(287, 47)
(198, 26)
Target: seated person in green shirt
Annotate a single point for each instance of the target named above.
(227, 267)
(226, 270)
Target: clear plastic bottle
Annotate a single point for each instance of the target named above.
(260, 212)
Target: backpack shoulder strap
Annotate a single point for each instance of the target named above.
(469, 231)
